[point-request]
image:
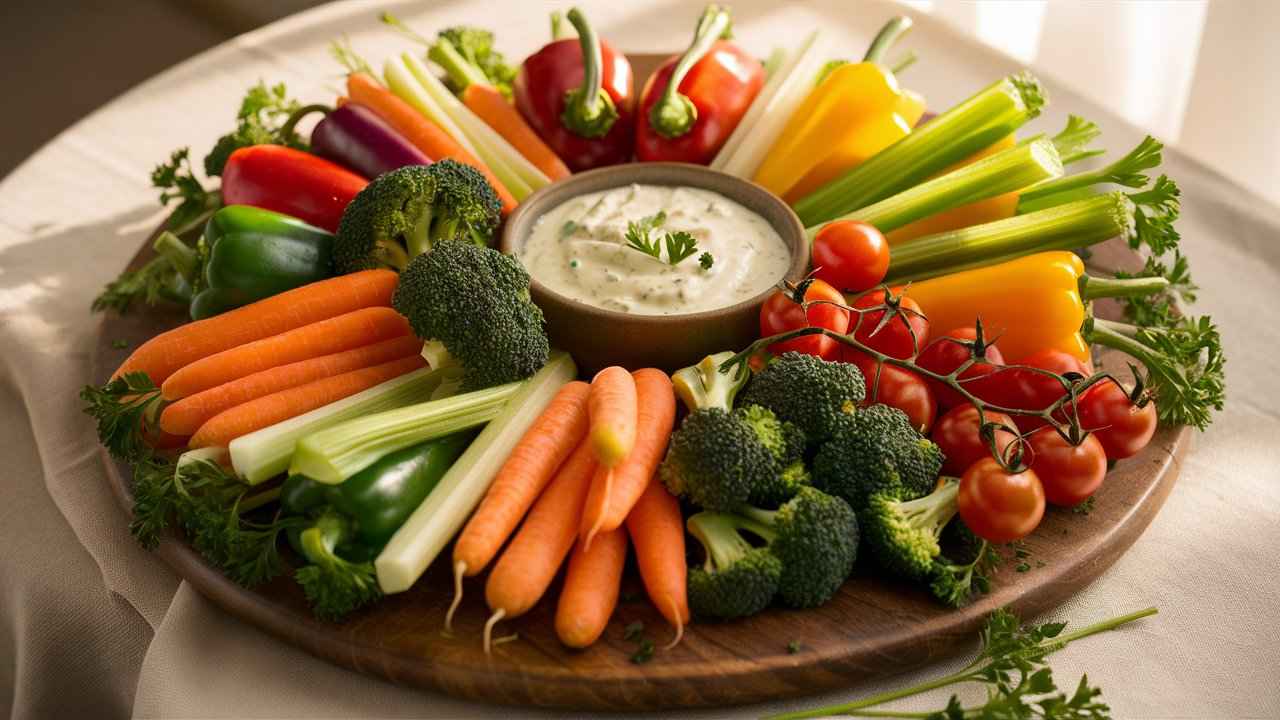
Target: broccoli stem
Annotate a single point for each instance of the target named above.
(334, 586)
(718, 533)
(935, 509)
(674, 114)
(705, 385)
(183, 257)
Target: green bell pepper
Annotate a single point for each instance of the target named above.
(250, 254)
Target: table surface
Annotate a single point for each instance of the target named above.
(97, 627)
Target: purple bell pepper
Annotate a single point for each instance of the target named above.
(354, 137)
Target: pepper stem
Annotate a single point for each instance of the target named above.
(1092, 288)
(286, 130)
(889, 35)
(588, 112)
(182, 256)
(674, 114)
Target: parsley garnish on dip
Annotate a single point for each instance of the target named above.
(580, 249)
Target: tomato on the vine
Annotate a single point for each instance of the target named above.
(1069, 473)
(851, 255)
(781, 313)
(897, 387)
(901, 336)
(1122, 428)
(1000, 506)
(944, 354)
(1029, 390)
(958, 435)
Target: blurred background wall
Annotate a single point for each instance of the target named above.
(1203, 75)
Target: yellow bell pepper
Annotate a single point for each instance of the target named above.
(857, 111)
(982, 211)
(1032, 303)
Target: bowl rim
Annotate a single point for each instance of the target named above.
(793, 234)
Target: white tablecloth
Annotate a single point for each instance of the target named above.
(92, 626)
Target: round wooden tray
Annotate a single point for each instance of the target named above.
(873, 627)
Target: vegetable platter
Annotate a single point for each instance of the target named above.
(307, 425)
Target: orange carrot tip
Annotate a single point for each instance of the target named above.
(611, 408)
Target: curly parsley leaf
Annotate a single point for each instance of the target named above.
(260, 121)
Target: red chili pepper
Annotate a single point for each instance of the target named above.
(284, 180)
(583, 110)
(692, 103)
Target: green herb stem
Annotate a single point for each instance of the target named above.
(1077, 224)
(1126, 171)
(974, 124)
(183, 257)
(1007, 171)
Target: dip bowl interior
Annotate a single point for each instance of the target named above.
(597, 337)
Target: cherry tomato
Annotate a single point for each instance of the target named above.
(895, 337)
(997, 505)
(957, 434)
(1069, 473)
(851, 255)
(898, 388)
(781, 313)
(945, 354)
(1121, 427)
(1029, 390)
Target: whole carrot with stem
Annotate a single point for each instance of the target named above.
(530, 562)
(188, 414)
(616, 490)
(268, 410)
(167, 352)
(417, 129)
(336, 334)
(657, 533)
(591, 587)
(532, 463)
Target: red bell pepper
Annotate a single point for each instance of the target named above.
(692, 103)
(577, 94)
(292, 182)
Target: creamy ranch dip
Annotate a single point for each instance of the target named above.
(579, 250)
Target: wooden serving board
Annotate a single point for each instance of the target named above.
(874, 626)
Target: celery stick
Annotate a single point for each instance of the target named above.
(972, 125)
(266, 453)
(1073, 225)
(493, 147)
(1126, 171)
(430, 527)
(404, 85)
(337, 452)
(205, 454)
(769, 112)
(1013, 169)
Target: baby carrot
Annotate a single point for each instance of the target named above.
(188, 414)
(591, 588)
(268, 410)
(167, 352)
(657, 532)
(337, 334)
(486, 102)
(530, 562)
(420, 131)
(614, 492)
(611, 408)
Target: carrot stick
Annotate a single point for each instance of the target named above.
(533, 461)
(268, 410)
(611, 408)
(613, 493)
(530, 562)
(337, 334)
(657, 532)
(169, 351)
(489, 104)
(188, 414)
(591, 588)
(430, 139)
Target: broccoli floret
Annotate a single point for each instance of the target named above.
(704, 386)
(783, 439)
(815, 394)
(877, 451)
(737, 579)
(903, 534)
(815, 535)
(476, 302)
(405, 212)
(781, 487)
(715, 459)
(476, 45)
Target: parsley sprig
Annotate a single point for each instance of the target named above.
(1012, 663)
(125, 409)
(680, 245)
